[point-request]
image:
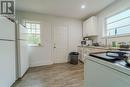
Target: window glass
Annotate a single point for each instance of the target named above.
(33, 32)
(28, 25)
(111, 32)
(118, 24)
(119, 16)
(123, 30)
(37, 26)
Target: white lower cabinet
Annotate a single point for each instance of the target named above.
(84, 52)
(98, 75)
(80, 51)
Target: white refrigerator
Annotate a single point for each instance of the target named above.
(23, 59)
(7, 52)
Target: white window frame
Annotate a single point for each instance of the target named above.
(34, 22)
(116, 35)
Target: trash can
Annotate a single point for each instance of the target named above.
(73, 58)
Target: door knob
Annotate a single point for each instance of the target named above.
(54, 45)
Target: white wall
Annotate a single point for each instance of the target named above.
(43, 55)
(116, 7)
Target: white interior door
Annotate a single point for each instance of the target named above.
(60, 43)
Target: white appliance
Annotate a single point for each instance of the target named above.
(100, 73)
(89, 42)
(23, 60)
(7, 52)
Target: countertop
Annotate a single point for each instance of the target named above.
(103, 47)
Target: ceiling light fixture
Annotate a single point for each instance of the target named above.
(83, 6)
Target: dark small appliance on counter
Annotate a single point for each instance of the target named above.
(96, 44)
(83, 43)
(124, 46)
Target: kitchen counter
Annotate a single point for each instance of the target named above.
(103, 47)
(84, 51)
(97, 47)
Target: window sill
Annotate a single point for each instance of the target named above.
(34, 45)
(116, 36)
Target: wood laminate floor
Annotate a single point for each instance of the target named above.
(56, 75)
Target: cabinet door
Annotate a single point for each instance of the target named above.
(85, 29)
(97, 75)
(80, 51)
(7, 63)
(91, 26)
(7, 29)
(86, 53)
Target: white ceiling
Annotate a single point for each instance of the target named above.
(65, 8)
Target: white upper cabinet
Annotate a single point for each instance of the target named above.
(90, 27)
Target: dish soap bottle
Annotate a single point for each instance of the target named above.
(113, 44)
